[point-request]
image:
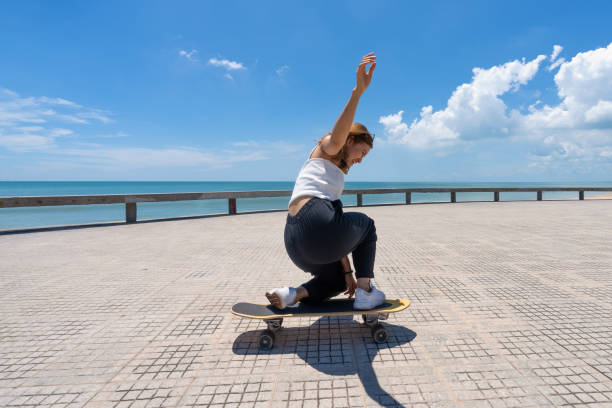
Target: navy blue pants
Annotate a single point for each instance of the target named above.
(320, 235)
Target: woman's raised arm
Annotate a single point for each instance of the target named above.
(344, 122)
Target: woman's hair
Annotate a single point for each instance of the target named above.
(359, 133)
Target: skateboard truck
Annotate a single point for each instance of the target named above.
(379, 332)
(266, 339)
(274, 324)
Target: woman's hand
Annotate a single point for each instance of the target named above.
(363, 78)
(351, 285)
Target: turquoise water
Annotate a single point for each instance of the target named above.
(12, 218)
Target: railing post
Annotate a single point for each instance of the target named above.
(539, 196)
(453, 197)
(581, 194)
(359, 200)
(408, 197)
(231, 204)
(130, 212)
(496, 196)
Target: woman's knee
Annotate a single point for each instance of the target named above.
(371, 234)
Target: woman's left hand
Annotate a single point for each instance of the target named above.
(351, 285)
(363, 78)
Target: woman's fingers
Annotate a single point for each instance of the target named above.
(364, 63)
(371, 69)
(367, 61)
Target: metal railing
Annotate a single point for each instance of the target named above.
(130, 200)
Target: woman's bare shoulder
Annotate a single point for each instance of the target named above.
(318, 151)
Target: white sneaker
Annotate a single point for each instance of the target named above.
(365, 300)
(287, 296)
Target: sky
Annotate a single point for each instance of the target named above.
(241, 91)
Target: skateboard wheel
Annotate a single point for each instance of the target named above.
(379, 333)
(266, 340)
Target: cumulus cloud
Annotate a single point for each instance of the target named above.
(474, 110)
(579, 126)
(31, 123)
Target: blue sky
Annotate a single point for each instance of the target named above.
(194, 90)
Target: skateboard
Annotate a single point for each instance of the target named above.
(335, 307)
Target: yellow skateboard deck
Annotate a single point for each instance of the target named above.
(335, 307)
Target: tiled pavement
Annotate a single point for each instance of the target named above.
(511, 307)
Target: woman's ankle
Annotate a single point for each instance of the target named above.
(363, 283)
(301, 293)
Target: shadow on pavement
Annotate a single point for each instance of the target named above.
(334, 346)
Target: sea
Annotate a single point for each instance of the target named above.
(28, 217)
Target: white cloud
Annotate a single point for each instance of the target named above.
(138, 157)
(96, 114)
(31, 123)
(553, 57)
(600, 113)
(25, 142)
(556, 64)
(250, 143)
(556, 51)
(189, 55)
(18, 134)
(29, 128)
(114, 135)
(227, 64)
(95, 156)
(9, 92)
(60, 132)
(474, 110)
(15, 109)
(281, 71)
(578, 128)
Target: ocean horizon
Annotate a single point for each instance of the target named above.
(27, 217)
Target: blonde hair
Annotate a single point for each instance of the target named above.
(359, 133)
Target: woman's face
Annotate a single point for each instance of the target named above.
(356, 152)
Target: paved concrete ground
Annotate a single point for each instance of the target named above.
(511, 306)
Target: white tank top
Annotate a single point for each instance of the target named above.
(319, 177)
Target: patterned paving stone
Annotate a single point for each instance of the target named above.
(153, 393)
(165, 360)
(255, 391)
(20, 362)
(49, 396)
(511, 307)
(301, 391)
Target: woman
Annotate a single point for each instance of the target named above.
(318, 234)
